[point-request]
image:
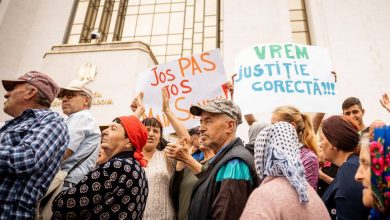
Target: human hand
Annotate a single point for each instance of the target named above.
(179, 151)
(385, 102)
(165, 99)
(137, 105)
(137, 101)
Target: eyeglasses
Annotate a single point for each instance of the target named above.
(69, 95)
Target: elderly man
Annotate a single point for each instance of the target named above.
(83, 149)
(224, 187)
(32, 144)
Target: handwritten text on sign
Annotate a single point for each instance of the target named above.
(188, 80)
(285, 74)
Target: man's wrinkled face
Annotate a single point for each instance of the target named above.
(355, 112)
(213, 129)
(14, 98)
(73, 102)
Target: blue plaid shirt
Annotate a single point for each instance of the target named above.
(31, 149)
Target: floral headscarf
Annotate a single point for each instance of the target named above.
(380, 169)
(277, 154)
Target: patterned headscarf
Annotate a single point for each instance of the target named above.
(277, 154)
(380, 169)
(254, 130)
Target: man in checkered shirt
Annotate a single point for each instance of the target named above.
(32, 144)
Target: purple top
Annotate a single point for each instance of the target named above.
(310, 162)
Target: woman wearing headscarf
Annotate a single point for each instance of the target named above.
(116, 189)
(339, 140)
(284, 192)
(253, 131)
(374, 173)
(160, 168)
(308, 144)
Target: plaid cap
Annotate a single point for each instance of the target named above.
(77, 86)
(39, 80)
(224, 106)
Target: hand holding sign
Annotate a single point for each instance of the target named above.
(187, 81)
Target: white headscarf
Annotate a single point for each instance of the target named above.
(277, 154)
(254, 130)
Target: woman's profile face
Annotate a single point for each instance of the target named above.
(114, 139)
(154, 135)
(363, 175)
(328, 150)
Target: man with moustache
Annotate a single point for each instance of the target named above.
(225, 185)
(83, 150)
(32, 144)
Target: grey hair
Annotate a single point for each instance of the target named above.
(40, 98)
(89, 99)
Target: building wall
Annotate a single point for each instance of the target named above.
(265, 22)
(357, 34)
(28, 29)
(117, 66)
(355, 31)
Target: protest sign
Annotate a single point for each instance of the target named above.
(273, 75)
(188, 80)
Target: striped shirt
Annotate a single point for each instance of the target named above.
(31, 149)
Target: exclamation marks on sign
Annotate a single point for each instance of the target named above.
(332, 86)
(328, 88)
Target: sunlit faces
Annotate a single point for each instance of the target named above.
(328, 150)
(215, 129)
(114, 140)
(154, 136)
(73, 102)
(355, 112)
(15, 98)
(363, 174)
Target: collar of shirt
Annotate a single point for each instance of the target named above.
(219, 152)
(34, 113)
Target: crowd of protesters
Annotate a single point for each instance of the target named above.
(294, 167)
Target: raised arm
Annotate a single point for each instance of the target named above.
(137, 105)
(317, 120)
(180, 130)
(385, 102)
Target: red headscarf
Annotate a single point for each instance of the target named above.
(137, 134)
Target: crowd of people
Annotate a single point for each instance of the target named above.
(294, 167)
